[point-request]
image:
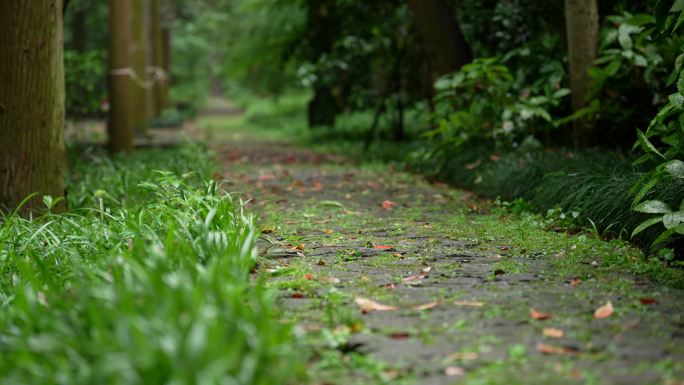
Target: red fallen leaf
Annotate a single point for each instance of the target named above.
(387, 205)
(534, 314)
(399, 335)
(317, 186)
(368, 305)
(557, 350)
(297, 295)
(426, 306)
(604, 311)
(308, 276)
(384, 247)
(575, 281)
(648, 301)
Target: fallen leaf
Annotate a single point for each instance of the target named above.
(391, 286)
(648, 301)
(308, 276)
(368, 305)
(333, 280)
(604, 311)
(534, 314)
(426, 306)
(469, 303)
(383, 247)
(399, 335)
(463, 356)
(297, 295)
(299, 247)
(575, 281)
(473, 166)
(387, 205)
(327, 231)
(494, 158)
(454, 371)
(557, 350)
(553, 333)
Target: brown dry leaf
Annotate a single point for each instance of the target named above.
(463, 356)
(557, 350)
(368, 305)
(604, 311)
(553, 333)
(469, 303)
(400, 335)
(299, 247)
(575, 282)
(648, 301)
(426, 306)
(387, 205)
(454, 371)
(534, 314)
(327, 231)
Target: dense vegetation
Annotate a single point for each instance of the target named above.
(144, 281)
(502, 123)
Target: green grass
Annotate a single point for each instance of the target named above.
(145, 281)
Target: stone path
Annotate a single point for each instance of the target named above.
(481, 296)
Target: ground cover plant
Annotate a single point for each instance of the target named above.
(145, 280)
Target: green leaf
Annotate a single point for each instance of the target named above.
(679, 229)
(663, 237)
(646, 144)
(675, 168)
(677, 100)
(646, 224)
(653, 207)
(640, 61)
(672, 220)
(680, 83)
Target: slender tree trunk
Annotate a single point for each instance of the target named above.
(166, 67)
(78, 29)
(582, 25)
(156, 58)
(321, 27)
(139, 65)
(121, 118)
(441, 34)
(31, 102)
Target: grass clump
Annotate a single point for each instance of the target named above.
(145, 281)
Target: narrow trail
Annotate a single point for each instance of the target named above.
(462, 276)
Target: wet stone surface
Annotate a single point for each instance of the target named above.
(333, 232)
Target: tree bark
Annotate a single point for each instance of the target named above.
(139, 65)
(156, 58)
(31, 102)
(582, 27)
(442, 37)
(121, 119)
(321, 29)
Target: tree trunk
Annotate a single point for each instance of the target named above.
(78, 29)
(121, 119)
(31, 102)
(156, 58)
(321, 29)
(441, 34)
(139, 65)
(582, 25)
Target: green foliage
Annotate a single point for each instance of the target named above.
(481, 104)
(86, 82)
(146, 281)
(663, 143)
